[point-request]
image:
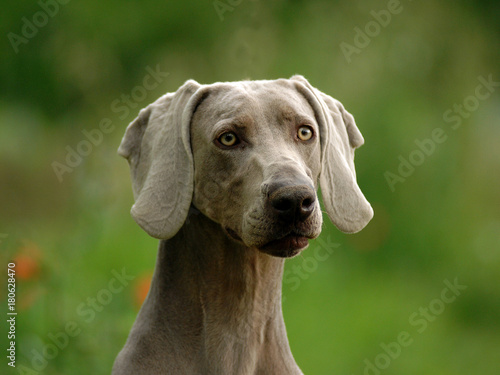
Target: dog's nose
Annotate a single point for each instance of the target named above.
(293, 203)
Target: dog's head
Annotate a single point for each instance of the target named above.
(248, 155)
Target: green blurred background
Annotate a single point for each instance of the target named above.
(441, 222)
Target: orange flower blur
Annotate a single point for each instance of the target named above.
(141, 289)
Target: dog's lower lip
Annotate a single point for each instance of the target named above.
(291, 242)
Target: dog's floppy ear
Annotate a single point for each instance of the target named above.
(157, 147)
(345, 204)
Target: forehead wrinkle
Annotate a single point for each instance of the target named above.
(283, 105)
(236, 101)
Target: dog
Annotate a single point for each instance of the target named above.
(226, 175)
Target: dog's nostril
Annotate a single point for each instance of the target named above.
(282, 204)
(307, 203)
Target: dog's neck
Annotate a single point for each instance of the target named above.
(221, 301)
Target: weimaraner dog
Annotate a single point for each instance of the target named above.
(225, 175)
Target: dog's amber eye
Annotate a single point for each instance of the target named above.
(305, 133)
(228, 139)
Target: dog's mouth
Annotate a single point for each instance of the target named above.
(233, 234)
(287, 246)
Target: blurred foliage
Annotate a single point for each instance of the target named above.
(441, 223)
